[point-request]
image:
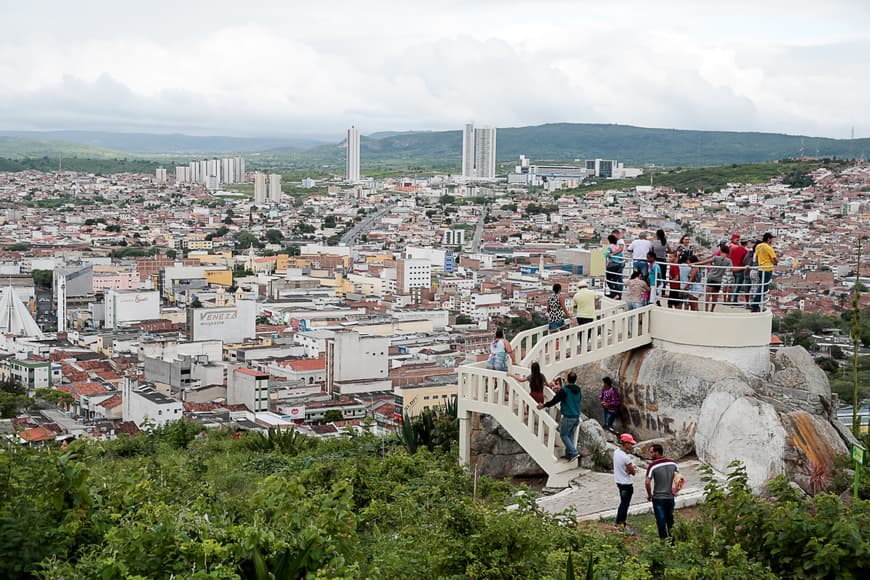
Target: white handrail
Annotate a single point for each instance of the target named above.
(503, 397)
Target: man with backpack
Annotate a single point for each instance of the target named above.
(659, 483)
(569, 396)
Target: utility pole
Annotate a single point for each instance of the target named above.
(856, 339)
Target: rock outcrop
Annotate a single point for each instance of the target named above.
(495, 452)
(779, 424)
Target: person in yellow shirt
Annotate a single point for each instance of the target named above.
(585, 303)
(766, 258)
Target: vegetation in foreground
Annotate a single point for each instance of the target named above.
(167, 504)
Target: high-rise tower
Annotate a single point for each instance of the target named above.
(274, 187)
(353, 154)
(260, 188)
(468, 150)
(484, 152)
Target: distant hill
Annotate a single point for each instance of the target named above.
(636, 146)
(441, 150)
(21, 147)
(147, 143)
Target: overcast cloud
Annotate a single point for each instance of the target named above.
(314, 68)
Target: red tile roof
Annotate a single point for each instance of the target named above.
(111, 402)
(252, 373)
(306, 364)
(37, 434)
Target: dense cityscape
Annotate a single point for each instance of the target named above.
(481, 290)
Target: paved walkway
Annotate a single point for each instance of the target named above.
(593, 495)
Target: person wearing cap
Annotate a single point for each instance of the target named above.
(623, 470)
(738, 272)
(767, 259)
(585, 303)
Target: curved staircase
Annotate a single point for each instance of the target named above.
(496, 394)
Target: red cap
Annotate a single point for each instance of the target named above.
(627, 438)
(735, 236)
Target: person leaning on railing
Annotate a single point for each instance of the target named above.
(614, 259)
(766, 257)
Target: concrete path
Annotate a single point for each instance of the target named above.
(594, 496)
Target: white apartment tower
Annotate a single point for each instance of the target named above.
(274, 187)
(161, 175)
(478, 152)
(484, 152)
(353, 154)
(468, 150)
(260, 188)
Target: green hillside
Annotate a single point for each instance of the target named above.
(100, 166)
(636, 146)
(22, 147)
(715, 178)
(169, 504)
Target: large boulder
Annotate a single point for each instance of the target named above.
(495, 452)
(662, 391)
(766, 436)
(794, 368)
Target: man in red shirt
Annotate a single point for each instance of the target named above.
(737, 253)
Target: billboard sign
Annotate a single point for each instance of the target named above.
(229, 324)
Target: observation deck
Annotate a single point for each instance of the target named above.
(731, 333)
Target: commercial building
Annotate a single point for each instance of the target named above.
(131, 306)
(357, 364)
(411, 273)
(248, 387)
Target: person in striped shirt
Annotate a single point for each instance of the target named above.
(658, 481)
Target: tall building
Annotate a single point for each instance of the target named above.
(478, 152)
(260, 188)
(484, 152)
(468, 150)
(274, 187)
(353, 154)
(161, 175)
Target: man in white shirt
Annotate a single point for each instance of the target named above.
(639, 248)
(623, 470)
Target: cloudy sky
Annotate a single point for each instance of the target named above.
(314, 67)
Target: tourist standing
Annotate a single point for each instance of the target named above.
(721, 263)
(639, 248)
(659, 481)
(610, 402)
(536, 381)
(766, 257)
(584, 303)
(557, 312)
(614, 265)
(656, 278)
(570, 397)
(623, 470)
(737, 252)
(499, 351)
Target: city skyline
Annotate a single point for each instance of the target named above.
(95, 66)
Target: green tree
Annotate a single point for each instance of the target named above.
(246, 239)
(332, 416)
(43, 278)
(274, 236)
(171, 254)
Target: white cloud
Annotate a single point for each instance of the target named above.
(315, 68)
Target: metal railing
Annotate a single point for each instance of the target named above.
(688, 286)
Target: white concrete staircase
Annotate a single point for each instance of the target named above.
(496, 394)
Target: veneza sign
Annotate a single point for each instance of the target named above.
(229, 324)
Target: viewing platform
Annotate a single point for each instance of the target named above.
(731, 333)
